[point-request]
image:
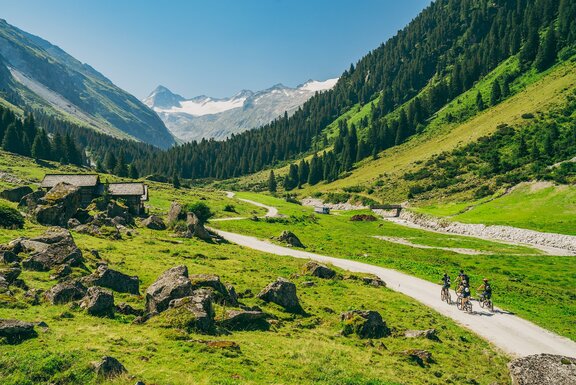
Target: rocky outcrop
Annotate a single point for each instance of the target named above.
(112, 279)
(422, 357)
(15, 331)
(98, 302)
(55, 247)
(245, 320)
(124, 308)
(282, 292)
(222, 294)
(364, 323)
(373, 281)
(61, 272)
(175, 213)
(109, 367)
(195, 228)
(198, 308)
(317, 270)
(363, 218)
(7, 257)
(65, 292)
(15, 194)
(154, 222)
(430, 334)
(172, 284)
(58, 205)
(290, 238)
(29, 202)
(543, 369)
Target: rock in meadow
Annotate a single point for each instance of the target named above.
(364, 323)
(282, 292)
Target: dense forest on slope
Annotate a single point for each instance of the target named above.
(442, 53)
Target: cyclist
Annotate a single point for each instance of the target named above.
(462, 278)
(446, 281)
(485, 289)
(465, 294)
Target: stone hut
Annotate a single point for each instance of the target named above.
(134, 194)
(89, 184)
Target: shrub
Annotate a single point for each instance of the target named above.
(10, 218)
(230, 208)
(201, 210)
(527, 115)
(482, 192)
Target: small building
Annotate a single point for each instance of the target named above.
(134, 194)
(89, 184)
(322, 210)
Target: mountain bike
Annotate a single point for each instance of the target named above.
(445, 295)
(486, 302)
(464, 305)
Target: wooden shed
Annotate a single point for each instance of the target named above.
(133, 193)
(88, 184)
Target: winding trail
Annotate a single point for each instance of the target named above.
(272, 211)
(508, 332)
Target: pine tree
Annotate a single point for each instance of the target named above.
(175, 181)
(522, 149)
(316, 171)
(11, 142)
(272, 185)
(121, 168)
(530, 48)
(133, 172)
(480, 102)
(59, 149)
(37, 148)
(110, 161)
(496, 94)
(303, 172)
(547, 52)
(566, 24)
(73, 155)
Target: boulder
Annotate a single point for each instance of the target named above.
(30, 201)
(55, 247)
(373, 281)
(317, 270)
(543, 369)
(15, 194)
(154, 222)
(15, 331)
(364, 323)
(430, 334)
(112, 279)
(83, 216)
(10, 274)
(98, 302)
(32, 296)
(290, 238)
(421, 357)
(109, 367)
(72, 223)
(363, 218)
(61, 272)
(245, 320)
(282, 292)
(197, 310)
(7, 257)
(58, 205)
(195, 228)
(221, 294)
(65, 292)
(124, 308)
(172, 284)
(175, 212)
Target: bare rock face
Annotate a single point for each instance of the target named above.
(112, 279)
(65, 292)
(282, 292)
(172, 284)
(55, 247)
(58, 205)
(154, 222)
(98, 302)
(364, 323)
(109, 367)
(291, 239)
(245, 320)
(543, 369)
(15, 331)
(317, 270)
(15, 194)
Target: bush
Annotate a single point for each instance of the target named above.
(10, 218)
(201, 210)
(482, 192)
(230, 208)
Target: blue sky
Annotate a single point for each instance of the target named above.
(213, 47)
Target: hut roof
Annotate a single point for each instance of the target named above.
(126, 189)
(79, 180)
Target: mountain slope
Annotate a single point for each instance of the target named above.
(34, 74)
(206, 117)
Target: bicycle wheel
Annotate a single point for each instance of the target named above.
(448, 299)
(442, 295)
(482, 303)
(491, 305)
(459, 303)
(469, 307)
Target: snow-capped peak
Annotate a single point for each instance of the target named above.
(315, 85)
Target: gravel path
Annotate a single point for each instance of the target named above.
(272, 211)
(510, 333)
(405, 242)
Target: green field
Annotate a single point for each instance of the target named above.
(296, 350)
(540, 206)
(538, 288)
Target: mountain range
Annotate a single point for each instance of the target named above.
(205, 117)
(37, 75)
